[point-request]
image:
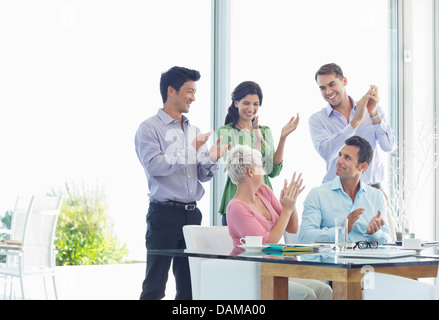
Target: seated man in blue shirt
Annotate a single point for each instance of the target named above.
(347, 196)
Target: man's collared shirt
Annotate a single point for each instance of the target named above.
(172, 165)
(329, 130)
(329, 201)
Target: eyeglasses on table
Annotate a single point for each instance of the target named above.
(366, 244)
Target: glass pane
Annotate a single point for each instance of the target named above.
(77, 78)
(280, 44)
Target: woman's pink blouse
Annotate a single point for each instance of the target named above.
(243, 221)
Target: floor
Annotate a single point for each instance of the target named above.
(101, 282)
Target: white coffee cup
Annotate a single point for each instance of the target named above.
(251, 241)
(412, 244)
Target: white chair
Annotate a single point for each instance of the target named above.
(216, 279)
(380, 286)
(33, 224)
(23, 205)
(21, 209)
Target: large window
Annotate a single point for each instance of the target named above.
(281, 43)
(76, 79)
(418, 153)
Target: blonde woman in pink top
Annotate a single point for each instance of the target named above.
(255, 211)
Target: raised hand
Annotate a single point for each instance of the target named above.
(258, 135)
(290, 192)
(353, 217)
(369, 102)
(216, 151)
(201, 139)
(290, 126)
(374, 99)
(360, 111)
(375, 224)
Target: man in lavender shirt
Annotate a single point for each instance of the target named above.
(343, 117)
(176, 160)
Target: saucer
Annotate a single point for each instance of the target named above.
(253, 254)
(253, 248)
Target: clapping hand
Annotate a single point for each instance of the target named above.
(375, 224)
(258, 134)
(374, 100)
(201, 139)
(216, 151)
(360, 112)
(290, 126)
(353, 217)
(368, 102)
(289, 193)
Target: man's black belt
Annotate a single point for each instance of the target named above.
(376, 185)
(186, 206)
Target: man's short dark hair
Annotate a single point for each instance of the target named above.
(176, 78)
(365, 154)
(330, 68)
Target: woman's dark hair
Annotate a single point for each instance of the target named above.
(176, 78)
(243, 89)
(365, 154)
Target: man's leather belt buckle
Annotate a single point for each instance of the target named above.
(187, 207)
(190, 207)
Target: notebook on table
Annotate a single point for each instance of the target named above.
(385, 253)
(424, 244)
(291, 247)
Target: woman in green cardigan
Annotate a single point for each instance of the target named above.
(242, 127)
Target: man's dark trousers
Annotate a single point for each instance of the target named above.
(165, 231)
